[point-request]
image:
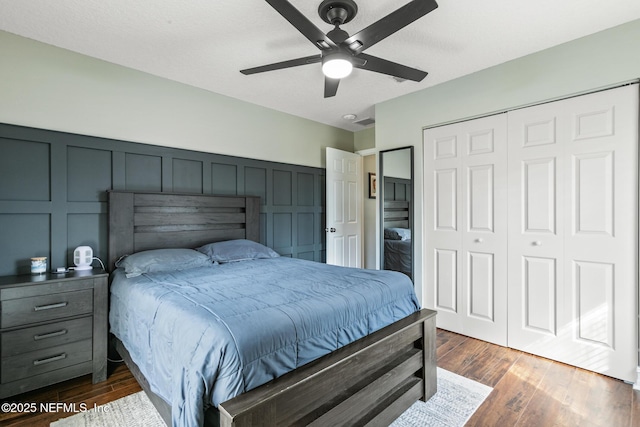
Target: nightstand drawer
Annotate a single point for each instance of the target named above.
(43, 308)
(41, 361)
(45, 336)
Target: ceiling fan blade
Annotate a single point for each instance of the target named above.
(302, 24)
(383, 66)
(284, 64)
(388, 25)
(330, 87)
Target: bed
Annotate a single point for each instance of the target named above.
(364, 377)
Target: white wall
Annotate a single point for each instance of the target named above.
(370, 215)
(364, 142)
(589, 63)
(47, 87)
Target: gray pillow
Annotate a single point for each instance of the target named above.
(236, 250)
(158, 260)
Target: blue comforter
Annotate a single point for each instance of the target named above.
(204, 335)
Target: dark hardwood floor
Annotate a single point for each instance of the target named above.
(528, 391)
(119, 383)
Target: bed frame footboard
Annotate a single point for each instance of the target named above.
(369, 382)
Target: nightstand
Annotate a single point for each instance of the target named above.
(53, 327)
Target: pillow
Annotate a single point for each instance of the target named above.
(397, 233)
(158, 260)
(236, 250)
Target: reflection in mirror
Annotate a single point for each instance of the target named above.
(395, 191)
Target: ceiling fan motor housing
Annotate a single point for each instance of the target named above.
(338, 35)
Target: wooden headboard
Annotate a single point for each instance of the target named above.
(397, 202)
(396, 214)
(141, 221)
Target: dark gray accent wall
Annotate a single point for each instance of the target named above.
(53, 193)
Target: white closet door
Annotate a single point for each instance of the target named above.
(466, 226)
(573, 231)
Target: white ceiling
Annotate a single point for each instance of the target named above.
(204, 43)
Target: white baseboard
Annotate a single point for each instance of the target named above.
(636, 385)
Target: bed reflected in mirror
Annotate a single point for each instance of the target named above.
(395, 191)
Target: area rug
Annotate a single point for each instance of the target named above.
(456, 400)
(454, 403)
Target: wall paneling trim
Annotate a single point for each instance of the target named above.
(53, 193)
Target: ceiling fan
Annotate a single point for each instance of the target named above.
(341, 52)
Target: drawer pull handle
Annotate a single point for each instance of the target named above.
(49, 335)
(49, 359)
(50, 306)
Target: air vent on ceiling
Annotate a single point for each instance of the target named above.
(365, 122)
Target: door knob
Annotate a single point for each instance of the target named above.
(479, 240)
(537, 243)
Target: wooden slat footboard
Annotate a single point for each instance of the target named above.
(369, 382)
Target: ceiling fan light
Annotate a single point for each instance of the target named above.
(336, 67)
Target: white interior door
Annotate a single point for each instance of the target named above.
(573, 231)
(344, 208)
(466, 226)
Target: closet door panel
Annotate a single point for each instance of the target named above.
(573, 231)
(445, 252)
(465, 233)
(535, 228)
(442, 214)
(601, 246)
(484, 237)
